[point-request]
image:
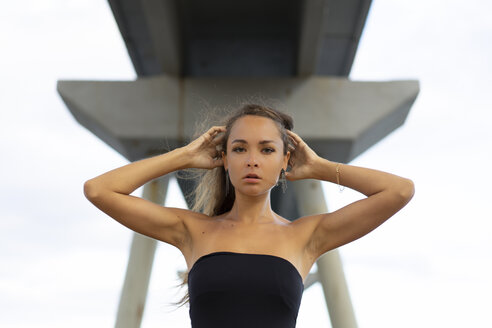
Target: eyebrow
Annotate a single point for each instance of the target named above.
(261, 142)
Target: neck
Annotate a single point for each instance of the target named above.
(252, 209)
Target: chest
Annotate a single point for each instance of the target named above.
(282, 240)
(218, 235)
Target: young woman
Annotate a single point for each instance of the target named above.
(246, 263)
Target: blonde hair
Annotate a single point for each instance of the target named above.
(209, 196)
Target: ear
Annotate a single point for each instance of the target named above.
(224, 160)
(286, 160)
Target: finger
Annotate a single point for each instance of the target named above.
(213, 132)
(217, 129)
(218, 139)
(296, 139)
(289, 176)
(294, 135)
(291, 134)
(293, 141)
(218, 162)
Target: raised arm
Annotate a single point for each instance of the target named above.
(386, 194)
(110, 192)
(128, 178)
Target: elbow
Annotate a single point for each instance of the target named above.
(406, 190)
(90, 190)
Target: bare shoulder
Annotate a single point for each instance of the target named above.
(300, 238)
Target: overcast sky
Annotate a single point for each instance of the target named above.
(62, 261)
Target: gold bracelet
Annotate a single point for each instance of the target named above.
(338, 178)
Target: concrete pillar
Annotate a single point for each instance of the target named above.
(311, 201)
(134, 292)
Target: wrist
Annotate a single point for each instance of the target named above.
(324, 169)
(182, 156)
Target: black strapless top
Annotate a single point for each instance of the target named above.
(229, 289)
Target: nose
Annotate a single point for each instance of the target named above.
(252, 162)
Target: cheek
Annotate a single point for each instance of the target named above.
(274, 171)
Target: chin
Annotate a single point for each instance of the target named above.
(256, 192)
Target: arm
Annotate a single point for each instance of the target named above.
(110, 192)
(366, 181)
(128, 178)
(386, 194)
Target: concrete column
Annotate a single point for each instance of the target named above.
(311, 201)
(134, 292)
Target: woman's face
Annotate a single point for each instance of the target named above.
(255, 147)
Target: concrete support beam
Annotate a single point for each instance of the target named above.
(216, 38)
(310, 199)
(311, 279)
(311, 36)
(339, 118)
(164, 32)
(335, 289)
(344, 21)
(139, 268)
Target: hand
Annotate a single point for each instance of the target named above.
(203, 151)
(302, 159)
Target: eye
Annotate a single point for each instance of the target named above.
(269, 150)
(236, 149)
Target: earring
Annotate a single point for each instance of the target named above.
(283, 181)
(227, 182)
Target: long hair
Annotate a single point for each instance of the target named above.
(209, 197)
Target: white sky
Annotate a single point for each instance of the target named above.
(62, 261)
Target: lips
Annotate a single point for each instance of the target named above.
(251, 176)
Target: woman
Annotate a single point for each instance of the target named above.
(246, 263)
